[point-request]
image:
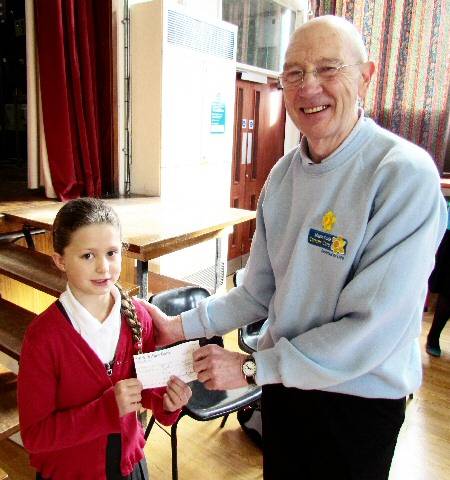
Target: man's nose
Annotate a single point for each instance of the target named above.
(310, 82)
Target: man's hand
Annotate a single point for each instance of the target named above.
(219, 369)
(178, 394)
(128, 395)
(167, 330)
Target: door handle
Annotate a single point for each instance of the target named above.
(249, 148)
(244, 148)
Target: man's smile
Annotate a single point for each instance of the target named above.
(317, 109)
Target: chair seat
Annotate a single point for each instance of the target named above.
(209, 404)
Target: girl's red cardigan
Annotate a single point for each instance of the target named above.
(66, 400)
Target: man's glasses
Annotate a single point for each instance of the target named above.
(296, 76)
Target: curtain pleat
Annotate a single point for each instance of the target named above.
(37, 158)
(323, 7)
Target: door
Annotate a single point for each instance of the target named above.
(258, 143)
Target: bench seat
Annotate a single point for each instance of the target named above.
(13, 323)
(9, 415)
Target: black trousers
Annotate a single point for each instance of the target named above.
(331, 435)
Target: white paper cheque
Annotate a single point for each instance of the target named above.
(154, 369)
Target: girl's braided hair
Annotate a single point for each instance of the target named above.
(128, 309)
(83, 212)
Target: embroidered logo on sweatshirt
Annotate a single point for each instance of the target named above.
(333, 245)
(328, 221)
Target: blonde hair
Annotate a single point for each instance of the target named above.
(128, 309)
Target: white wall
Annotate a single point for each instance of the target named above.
(209, 8)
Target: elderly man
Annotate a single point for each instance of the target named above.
(346, 233)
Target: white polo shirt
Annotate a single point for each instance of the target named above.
(101, 337)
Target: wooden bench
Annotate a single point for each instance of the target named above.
(37, 270)
(9, 415)
(13, 323)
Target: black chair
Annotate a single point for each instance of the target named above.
(249, 334)
(204, 404)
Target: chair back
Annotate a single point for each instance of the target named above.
(248, 334)
(178, 300)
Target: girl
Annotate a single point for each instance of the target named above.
(77, 392)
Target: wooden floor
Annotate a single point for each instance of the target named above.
(207, 452)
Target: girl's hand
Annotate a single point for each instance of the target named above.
(128, 395)
(177, 395)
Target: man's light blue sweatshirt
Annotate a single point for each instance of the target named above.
(339, 265)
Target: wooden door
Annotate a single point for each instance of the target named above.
(258, 143)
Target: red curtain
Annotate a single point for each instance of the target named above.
(74, 51)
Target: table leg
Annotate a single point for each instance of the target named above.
(28, 238)
(142, 278)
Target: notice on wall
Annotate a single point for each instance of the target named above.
(218, 111)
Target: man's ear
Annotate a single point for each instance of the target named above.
(366, 74)
(59, 261)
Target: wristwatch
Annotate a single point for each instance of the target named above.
(249, 370)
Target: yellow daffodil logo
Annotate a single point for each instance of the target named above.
(337, 245)
(328, 221)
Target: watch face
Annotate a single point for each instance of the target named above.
(249, 368)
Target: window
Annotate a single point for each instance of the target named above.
(264, 28)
